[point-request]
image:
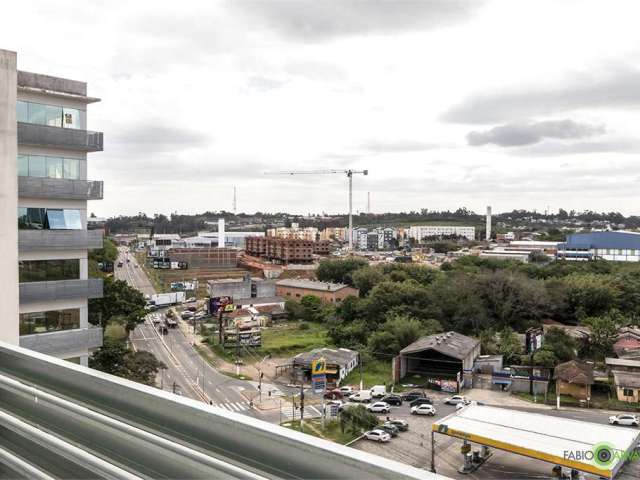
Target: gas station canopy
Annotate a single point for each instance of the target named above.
(561, 441)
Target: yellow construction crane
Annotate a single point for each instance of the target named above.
(349, 173)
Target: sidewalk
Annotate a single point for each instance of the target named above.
(502, 399)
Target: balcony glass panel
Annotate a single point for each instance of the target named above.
(54, 167)
(37, 166)
(48, 270)
(51, 321)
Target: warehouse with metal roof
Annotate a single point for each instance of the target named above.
(587, 447)
(439, 359)
(620, 246)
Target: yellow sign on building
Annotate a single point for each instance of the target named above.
(319, 367)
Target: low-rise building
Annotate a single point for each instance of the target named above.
(294, 232)
(440, 359)
(244, 288)
(620, 246)
(327, 292)
(339, 361)
(574, 378)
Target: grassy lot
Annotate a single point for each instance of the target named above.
(292, 338)
(374, 372)
(330, 432)
(598, 400)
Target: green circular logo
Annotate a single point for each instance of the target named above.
(603, 454)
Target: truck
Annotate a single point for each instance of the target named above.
(164, 299)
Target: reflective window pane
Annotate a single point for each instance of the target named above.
(31, 218)
(51, 321)
(37, 113)
(71, 168)
(37, 166)
(55, 219)
(22, 111)
(54, 116)
(72, 219)
(23, 165)
(54, 167)
(48, 270)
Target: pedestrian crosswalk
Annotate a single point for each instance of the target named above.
(233, 406)
(309, 412)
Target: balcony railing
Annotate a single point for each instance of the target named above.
(64, 341)
(37, 187)
(30, 240)
(68, 138)
(60, 290)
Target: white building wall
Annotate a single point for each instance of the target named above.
(420, 232)
(9, 331)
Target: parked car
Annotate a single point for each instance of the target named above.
(421, 401)
(361, 396)
(333, 395)
(379, 407)
(625, 419)
(412, 395)
(454, 400)
(190, 300)
(192, 308)
(187, 315)
(390, 428)
(392, 399)
(377, 435)
(119, 264)
(402, 425)
(378, 391)
(347, 389)
(460, 406)
(424, 409)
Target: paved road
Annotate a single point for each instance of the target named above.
(187, 373)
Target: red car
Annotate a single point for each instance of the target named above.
(333, 395)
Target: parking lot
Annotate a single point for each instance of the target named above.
(414, 448)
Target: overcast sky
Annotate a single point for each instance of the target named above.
(514, 104)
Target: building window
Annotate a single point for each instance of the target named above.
(48, 219)
(627, 392)
(51, 115)
(51, 167)
(51, 321)
(48, 270)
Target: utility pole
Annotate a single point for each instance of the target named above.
(301, 405)
(237, 350)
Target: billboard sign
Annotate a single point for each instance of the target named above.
(319, 375)
(216, 303)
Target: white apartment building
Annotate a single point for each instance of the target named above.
(50, 171)
(294, 232)
(420, 232)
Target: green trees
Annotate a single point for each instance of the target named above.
(339, 271)
(120, 303)
(509, 345)
(398, 332)
(591, 294)
(118, 359)
(357, 418)
(603, 333)
(558, 347)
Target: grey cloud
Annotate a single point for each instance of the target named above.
(518, 134)
(313, 20)
(398, 146)
(152, 138)
(616, 87)
(623, 146)
(263, 84)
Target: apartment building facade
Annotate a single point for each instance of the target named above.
(50, 173)
(421, 232)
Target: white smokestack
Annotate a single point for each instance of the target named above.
(221, 239)
(488, 229)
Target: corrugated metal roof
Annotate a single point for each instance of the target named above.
(452, 344)
(338, 356)
(311, 284)
(619, 239)
(626, 379)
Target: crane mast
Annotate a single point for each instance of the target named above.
(349, 173)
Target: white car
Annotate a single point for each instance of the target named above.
(377, 436)
(379, 407)
(424, 409)
(625, 419)
(347, 389)
(454, 400)
(361, 396)
(460, 406)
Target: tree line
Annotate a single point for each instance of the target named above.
(494, 300)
